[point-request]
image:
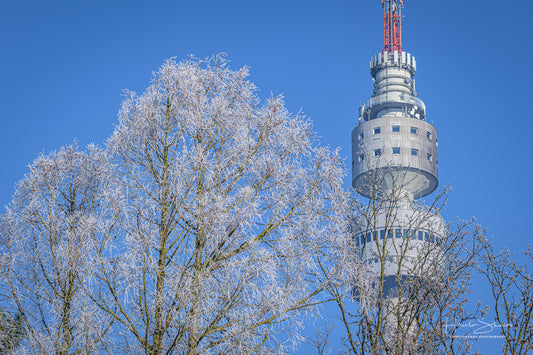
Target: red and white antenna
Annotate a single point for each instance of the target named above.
(392, 21)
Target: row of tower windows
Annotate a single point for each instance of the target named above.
(398, 233)
(396, 129)
(396, 151)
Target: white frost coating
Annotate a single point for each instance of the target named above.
(49, 234)
(225, 202)
(198, 231)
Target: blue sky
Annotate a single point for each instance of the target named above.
(64, 65)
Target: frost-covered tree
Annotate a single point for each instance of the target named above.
(225, 203)
(512, 290)
(50, 235)
(420, 309)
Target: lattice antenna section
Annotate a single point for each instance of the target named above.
(392, 21)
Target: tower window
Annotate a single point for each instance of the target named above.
(430, 157)
(396, 128)
(377, 130)
(361, 157)
(414, 130)
(377, 152)
(396, 150)
(414, 152)
(428, 135)
(398, 233)
(361, 135)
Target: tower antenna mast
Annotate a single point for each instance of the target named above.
(392, 22)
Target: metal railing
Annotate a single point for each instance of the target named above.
(388, 98)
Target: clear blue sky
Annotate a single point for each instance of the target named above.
(64, 64)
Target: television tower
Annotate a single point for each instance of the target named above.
(394, 162)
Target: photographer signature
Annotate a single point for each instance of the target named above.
(479, 326)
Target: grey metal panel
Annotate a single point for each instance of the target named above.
(417, 175)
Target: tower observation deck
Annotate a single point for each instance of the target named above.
(395, 156)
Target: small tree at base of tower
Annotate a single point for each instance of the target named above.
(512, 291)
(408, 292)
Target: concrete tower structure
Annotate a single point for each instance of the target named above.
(394, 162)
